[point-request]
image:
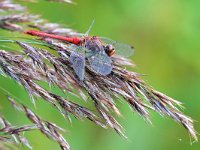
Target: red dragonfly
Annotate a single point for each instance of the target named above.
(98, 51)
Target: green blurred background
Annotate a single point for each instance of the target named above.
(166, 36)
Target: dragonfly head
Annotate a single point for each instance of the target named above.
(109, 49)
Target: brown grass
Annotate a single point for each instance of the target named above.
(36, 64)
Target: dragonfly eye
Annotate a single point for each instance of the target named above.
(109, 49)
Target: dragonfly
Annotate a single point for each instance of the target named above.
(96, 50)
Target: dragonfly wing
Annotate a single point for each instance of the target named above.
(120, 48)
(88, 31)
(77, 59)
(101, 63)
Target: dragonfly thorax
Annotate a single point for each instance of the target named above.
(95, 45)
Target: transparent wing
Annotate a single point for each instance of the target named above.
(120, 48)
(101, 63)
(88, 31)
(77, 59)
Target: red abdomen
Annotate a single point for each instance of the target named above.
(74, 40)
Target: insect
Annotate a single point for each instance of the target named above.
(97, 51)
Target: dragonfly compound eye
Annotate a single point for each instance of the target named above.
(109, 49)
